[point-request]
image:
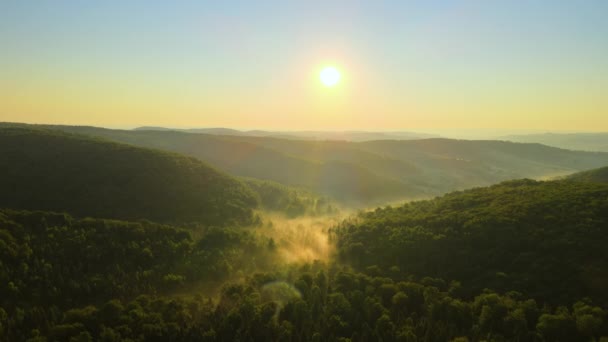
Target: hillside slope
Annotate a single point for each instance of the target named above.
(596, 175)
(343, 180)
(51, 170)
(366, 173)
(545, 239)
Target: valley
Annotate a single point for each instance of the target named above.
(107, 236)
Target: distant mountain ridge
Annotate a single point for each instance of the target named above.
(570, 141)
(301, 135)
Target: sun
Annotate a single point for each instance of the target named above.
(329, 76)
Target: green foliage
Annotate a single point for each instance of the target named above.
(50, 170)
(544, 239)
(291, 201)
(596, 175)
(51, 259)
(104, 280)
(340, 305)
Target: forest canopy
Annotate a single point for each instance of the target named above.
(473, 265)
(52, 170)
(544, 239)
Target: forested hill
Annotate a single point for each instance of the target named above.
(366, 173)
(596, 175)
(344, 180)
(519, 261)
(51, 170)
(546, 240)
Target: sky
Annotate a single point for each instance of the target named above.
(405, 65)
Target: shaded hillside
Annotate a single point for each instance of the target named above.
(51, 170)
(345, 181)
(545, 239)
(571, 141)
(365, 173)
(596, 175)
(434, 166)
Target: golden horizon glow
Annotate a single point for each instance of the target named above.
(427, 66)
(330, 76)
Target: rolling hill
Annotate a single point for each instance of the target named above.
(544, 239)
(345, 181)
(599, 175)
(364, 173)
(52, 170)
(518, 261)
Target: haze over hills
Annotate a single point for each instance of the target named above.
(571, 141)
(364, 173)
(343, 181)
(301, 135)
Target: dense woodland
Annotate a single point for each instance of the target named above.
(595, 176)
(544, 239)
(52, 170)
(163, 260)
(291, 201)
(90, 279)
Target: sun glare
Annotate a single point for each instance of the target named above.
(329, 76)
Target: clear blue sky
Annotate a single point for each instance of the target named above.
(252, 64)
